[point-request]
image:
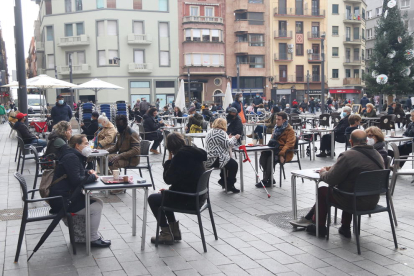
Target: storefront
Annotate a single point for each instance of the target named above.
(302, 95)
(248, 94)
(346, 94)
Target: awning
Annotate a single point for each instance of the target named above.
(283, 91)
(345, 91)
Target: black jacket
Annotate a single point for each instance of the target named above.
(257, 101)
(50, 149)
(339, 130)
(380, 147)
(61, 113)
(178, 114)
(234, 125)
(196, 119)
(349, 130)
(72, 163)
(208, 115)
(312, 103)
(409, 132)
(182, 172)
(90, 129)
(364, 102)
(287, 110)
(151, 125)
(24, 131)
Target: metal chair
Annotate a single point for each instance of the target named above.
(38, 214)
(144, 152)
(347, 143)
(367, 183)
(39, 163)
(335, 119)
(295, 151)
(25, 153)
(387, 122)
(12, 130)
(324, 120)
(142, 133)
(202, 189)
(397, 169)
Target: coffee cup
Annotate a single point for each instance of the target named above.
(243, 142)
(126, 178)
(254, 141)
(115, 173)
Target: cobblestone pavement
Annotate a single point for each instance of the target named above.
(247, 244)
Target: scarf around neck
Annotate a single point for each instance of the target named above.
(278, 130)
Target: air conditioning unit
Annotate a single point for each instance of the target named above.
(290, 50)
(290, 46)
(310, 51)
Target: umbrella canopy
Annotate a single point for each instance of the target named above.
(180, 101)
(228, 99)
(46, 82)
(97, 85)
(15, 84)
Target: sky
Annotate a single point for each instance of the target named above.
(30, 12)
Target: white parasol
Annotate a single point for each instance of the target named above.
(180, 101)
(97, 85)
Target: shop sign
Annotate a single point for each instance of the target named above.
(344, 91)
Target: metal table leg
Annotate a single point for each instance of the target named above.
(88, 223)
(332, 145)
(106, 170)
(144, 219)
(272, 168)
(294, 200)
(134, 212)
(313, 146)
(257, 167)
(317, 209)
(241, 171)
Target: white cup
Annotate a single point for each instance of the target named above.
(254, 142)
(243, 142)
(115, 173)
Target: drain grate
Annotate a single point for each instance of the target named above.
(11, 214)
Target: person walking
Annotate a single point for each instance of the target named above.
(238, 105)
(61, 111)
(144, 106)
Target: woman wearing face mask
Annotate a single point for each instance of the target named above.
(238, 105)
(71, 170)
(106, 133)
(375, 138)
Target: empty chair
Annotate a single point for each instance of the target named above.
(387, 122)
(24, 153)
(324, 120)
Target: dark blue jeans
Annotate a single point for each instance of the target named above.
(259, 131)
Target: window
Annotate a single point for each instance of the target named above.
(68, 5)
(405, 4)
(140, 84)
(49, 33)
(363, 14)
(163, 5)
(215, 35)
(363, 34)
(335, 30)
(101, 58)
(112, 28)
(100, 4)
(111, 4)
(78, 5)
(48, 6)
(256, 62)
(335, 51)
(196, 35)
(206, 60)
(356, 33)
(101, 28)
(137, 5)
(256, 40)
(50, 61)
(138, 27)
(363, 54)
(369, 53)
(188, 60)
(255, 18)
(188, 35)
(113, 57)
(255, 1)
(335, 9)
(165, 84)
(363, 74)
(194, 11)
(378, 11)
(299, 49)
(77, 59)
(299, 7)
(299, 27)
(369, 33)
(139, 56)
(206, 34)
(369, 14)
(347, 73)
(335, 73)
(79, 29)
(68, 30)
(356, 54)
(209, 11)
(299, 73)
(163, 29)
(164, 58)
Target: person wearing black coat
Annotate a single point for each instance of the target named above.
(178, 113)
(208, 115)
(69, 173)
(182, 171)
(152, 126)
(339, 132)
(89, 130)
(238, 105)
(312, 106)
(283, 103)
(26, 135)
(61, 111)
(256, 101)
(234, 123)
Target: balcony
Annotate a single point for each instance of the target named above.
(241, 26)
(303, 13)
(252, 69)
(314, 58)
(40, 46)
(80, 40)
(140, 68)
(283, 57)
(353, 40)
(82, 69)
(283, 34)
(203, 19)
(356, 61)
(314, 35)
(241, 5)
(353, 18)
(241, 48)
(139, 39)
(316, 78)
(282, 79)
(353, 1)
(352, 81)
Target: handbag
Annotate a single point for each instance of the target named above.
(47, 181)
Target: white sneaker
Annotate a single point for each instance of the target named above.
(302, 222)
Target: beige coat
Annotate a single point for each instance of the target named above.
(126, 148)
(107, 136)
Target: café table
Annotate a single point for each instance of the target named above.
(397, 139)
(183, 120)
(309, 116)
(201, 135)
(313, 131)
(256, 149)
(100, 186)
(312, 175)
(101, 153)
(253, 125)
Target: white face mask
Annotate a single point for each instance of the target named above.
(241, 99)
(370, 141)
(86, 151)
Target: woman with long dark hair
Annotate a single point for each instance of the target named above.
(152, 125)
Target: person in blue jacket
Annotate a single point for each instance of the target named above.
(61, 111)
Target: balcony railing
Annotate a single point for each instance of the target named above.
(203, 19)
(353, 61)
(140, 68)
(314, 35)
(82, 69)
(287, 78)
(283, 34)
(352, 81)
(314, 57)
(352, 40)
(73, 41)
(316, 78)
(139, 39)
(352, 18)
(283, 57)
(293, 12)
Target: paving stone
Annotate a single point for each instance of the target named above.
(244, 262)
(232, 270)
(134, 268)
(108, 264)
(374, 268)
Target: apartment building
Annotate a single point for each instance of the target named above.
(248, 62)
(4, 75)
(202, 48)
(298, 28)
(130, 43)
(346, 52)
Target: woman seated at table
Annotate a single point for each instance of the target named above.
(375, 138)
(267, 128)
(152, 126)
(208, 115)
(218, 144)
(405, 148)
(261, 109)
(62, 131)
(178, 113)
(70, 173)
(250, 109)
(106, 133)
(166, 111)
(370, 111)
(182, 171)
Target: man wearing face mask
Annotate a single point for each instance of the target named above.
(92, 127)
(238, 105)
(256, 101)
(234, 124)
(61, 111)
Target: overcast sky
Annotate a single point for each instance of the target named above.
(30, 12)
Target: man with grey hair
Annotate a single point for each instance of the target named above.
(339, 133)
(343, 175)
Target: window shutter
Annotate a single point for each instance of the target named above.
(101, 28)
(138, 28)
(102, 57)
(112, 27)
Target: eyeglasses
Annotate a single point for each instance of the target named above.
(370, 135)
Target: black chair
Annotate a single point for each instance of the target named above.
(399, 119)
(347, 143)
(142, 133)
(387, 122)
(39, 163)
(144, 153)
(25, 153)
(335, 119)
(202, 189)
(367, 183)
(38, 214)
(295, 121)
(295, 151)
(324, 120)
(407, 120)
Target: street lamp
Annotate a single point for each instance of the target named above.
(323, 72)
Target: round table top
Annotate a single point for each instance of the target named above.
(196, 135)
(101, 152)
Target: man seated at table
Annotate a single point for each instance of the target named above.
(285, 138)
(165, 111)
(406, 147)
(90, 129)
(195, 121)
(354, 122)
(343, 175)
(234, 123)
(339, 133)
(26, 135)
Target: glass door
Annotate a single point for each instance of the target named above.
(282, 28)
(283, 73)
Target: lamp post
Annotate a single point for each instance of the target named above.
(189, 85)
(238, 76)
(323, 73)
